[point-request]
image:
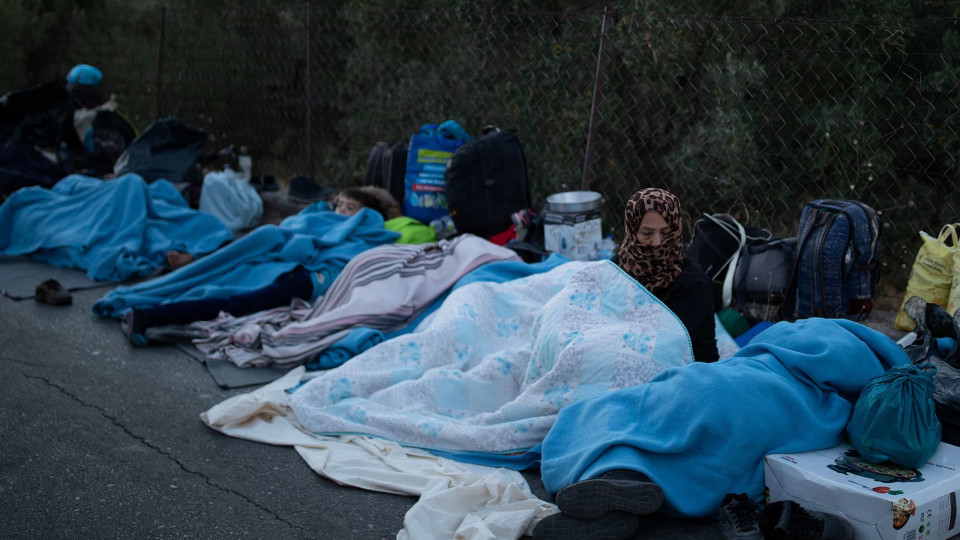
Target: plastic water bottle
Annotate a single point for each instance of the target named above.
(444, 227)
(606, 248)
(245, 162)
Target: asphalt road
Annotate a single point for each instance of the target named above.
(102, 440)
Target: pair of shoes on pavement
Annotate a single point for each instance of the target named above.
(607, 507)
(264, 183)
(51, 292)
(741, 519)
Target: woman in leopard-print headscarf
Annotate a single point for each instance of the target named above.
(652, 252)
(652, 249)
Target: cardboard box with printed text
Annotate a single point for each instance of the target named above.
(882, 501)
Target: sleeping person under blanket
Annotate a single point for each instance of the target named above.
(347, 203)
(296, 283)
(686, 440)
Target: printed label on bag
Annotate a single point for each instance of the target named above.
(934, 264)
(427, 187)
(433, 156)
(428, 200)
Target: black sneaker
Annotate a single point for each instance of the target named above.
(787, 520)
(268, 183)
(174, 333)
(739, 518)
(264, 183)
(612, 526)
(613, 491)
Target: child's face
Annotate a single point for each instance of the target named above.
(347, 206)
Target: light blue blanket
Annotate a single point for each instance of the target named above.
(321, 241)
(491, 368)
(358, 340)
(363, 338)
(114, 229)
(702, 431)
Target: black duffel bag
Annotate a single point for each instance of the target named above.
(762, 280)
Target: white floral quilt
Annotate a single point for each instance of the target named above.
(489, 372)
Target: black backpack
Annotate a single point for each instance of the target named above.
(486, 182)
(387, 167)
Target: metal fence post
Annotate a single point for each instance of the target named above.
(158, 75)
(309, 96)
(65, 21)
(597, 87)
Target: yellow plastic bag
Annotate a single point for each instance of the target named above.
(932, 272)
(955, 285)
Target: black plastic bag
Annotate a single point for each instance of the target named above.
(937, 345)
(39, 116)
(166, 149)
(947, 398)
(22, 165)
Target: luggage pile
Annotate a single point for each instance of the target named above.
(830, 269)
(456, 183)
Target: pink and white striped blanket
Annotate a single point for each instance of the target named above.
(382, 288)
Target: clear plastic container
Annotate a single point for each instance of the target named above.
(245, 163)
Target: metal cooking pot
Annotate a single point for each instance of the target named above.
(574, 201)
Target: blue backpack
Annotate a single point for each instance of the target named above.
(425, 198)
(838, 260)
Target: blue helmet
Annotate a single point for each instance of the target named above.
(84, 74)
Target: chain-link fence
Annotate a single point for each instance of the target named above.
(753, 117)
(756, 117)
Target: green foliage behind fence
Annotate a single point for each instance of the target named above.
(736, 113)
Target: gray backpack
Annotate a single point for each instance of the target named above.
(762, 280)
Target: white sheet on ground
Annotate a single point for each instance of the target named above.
(457, 500)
